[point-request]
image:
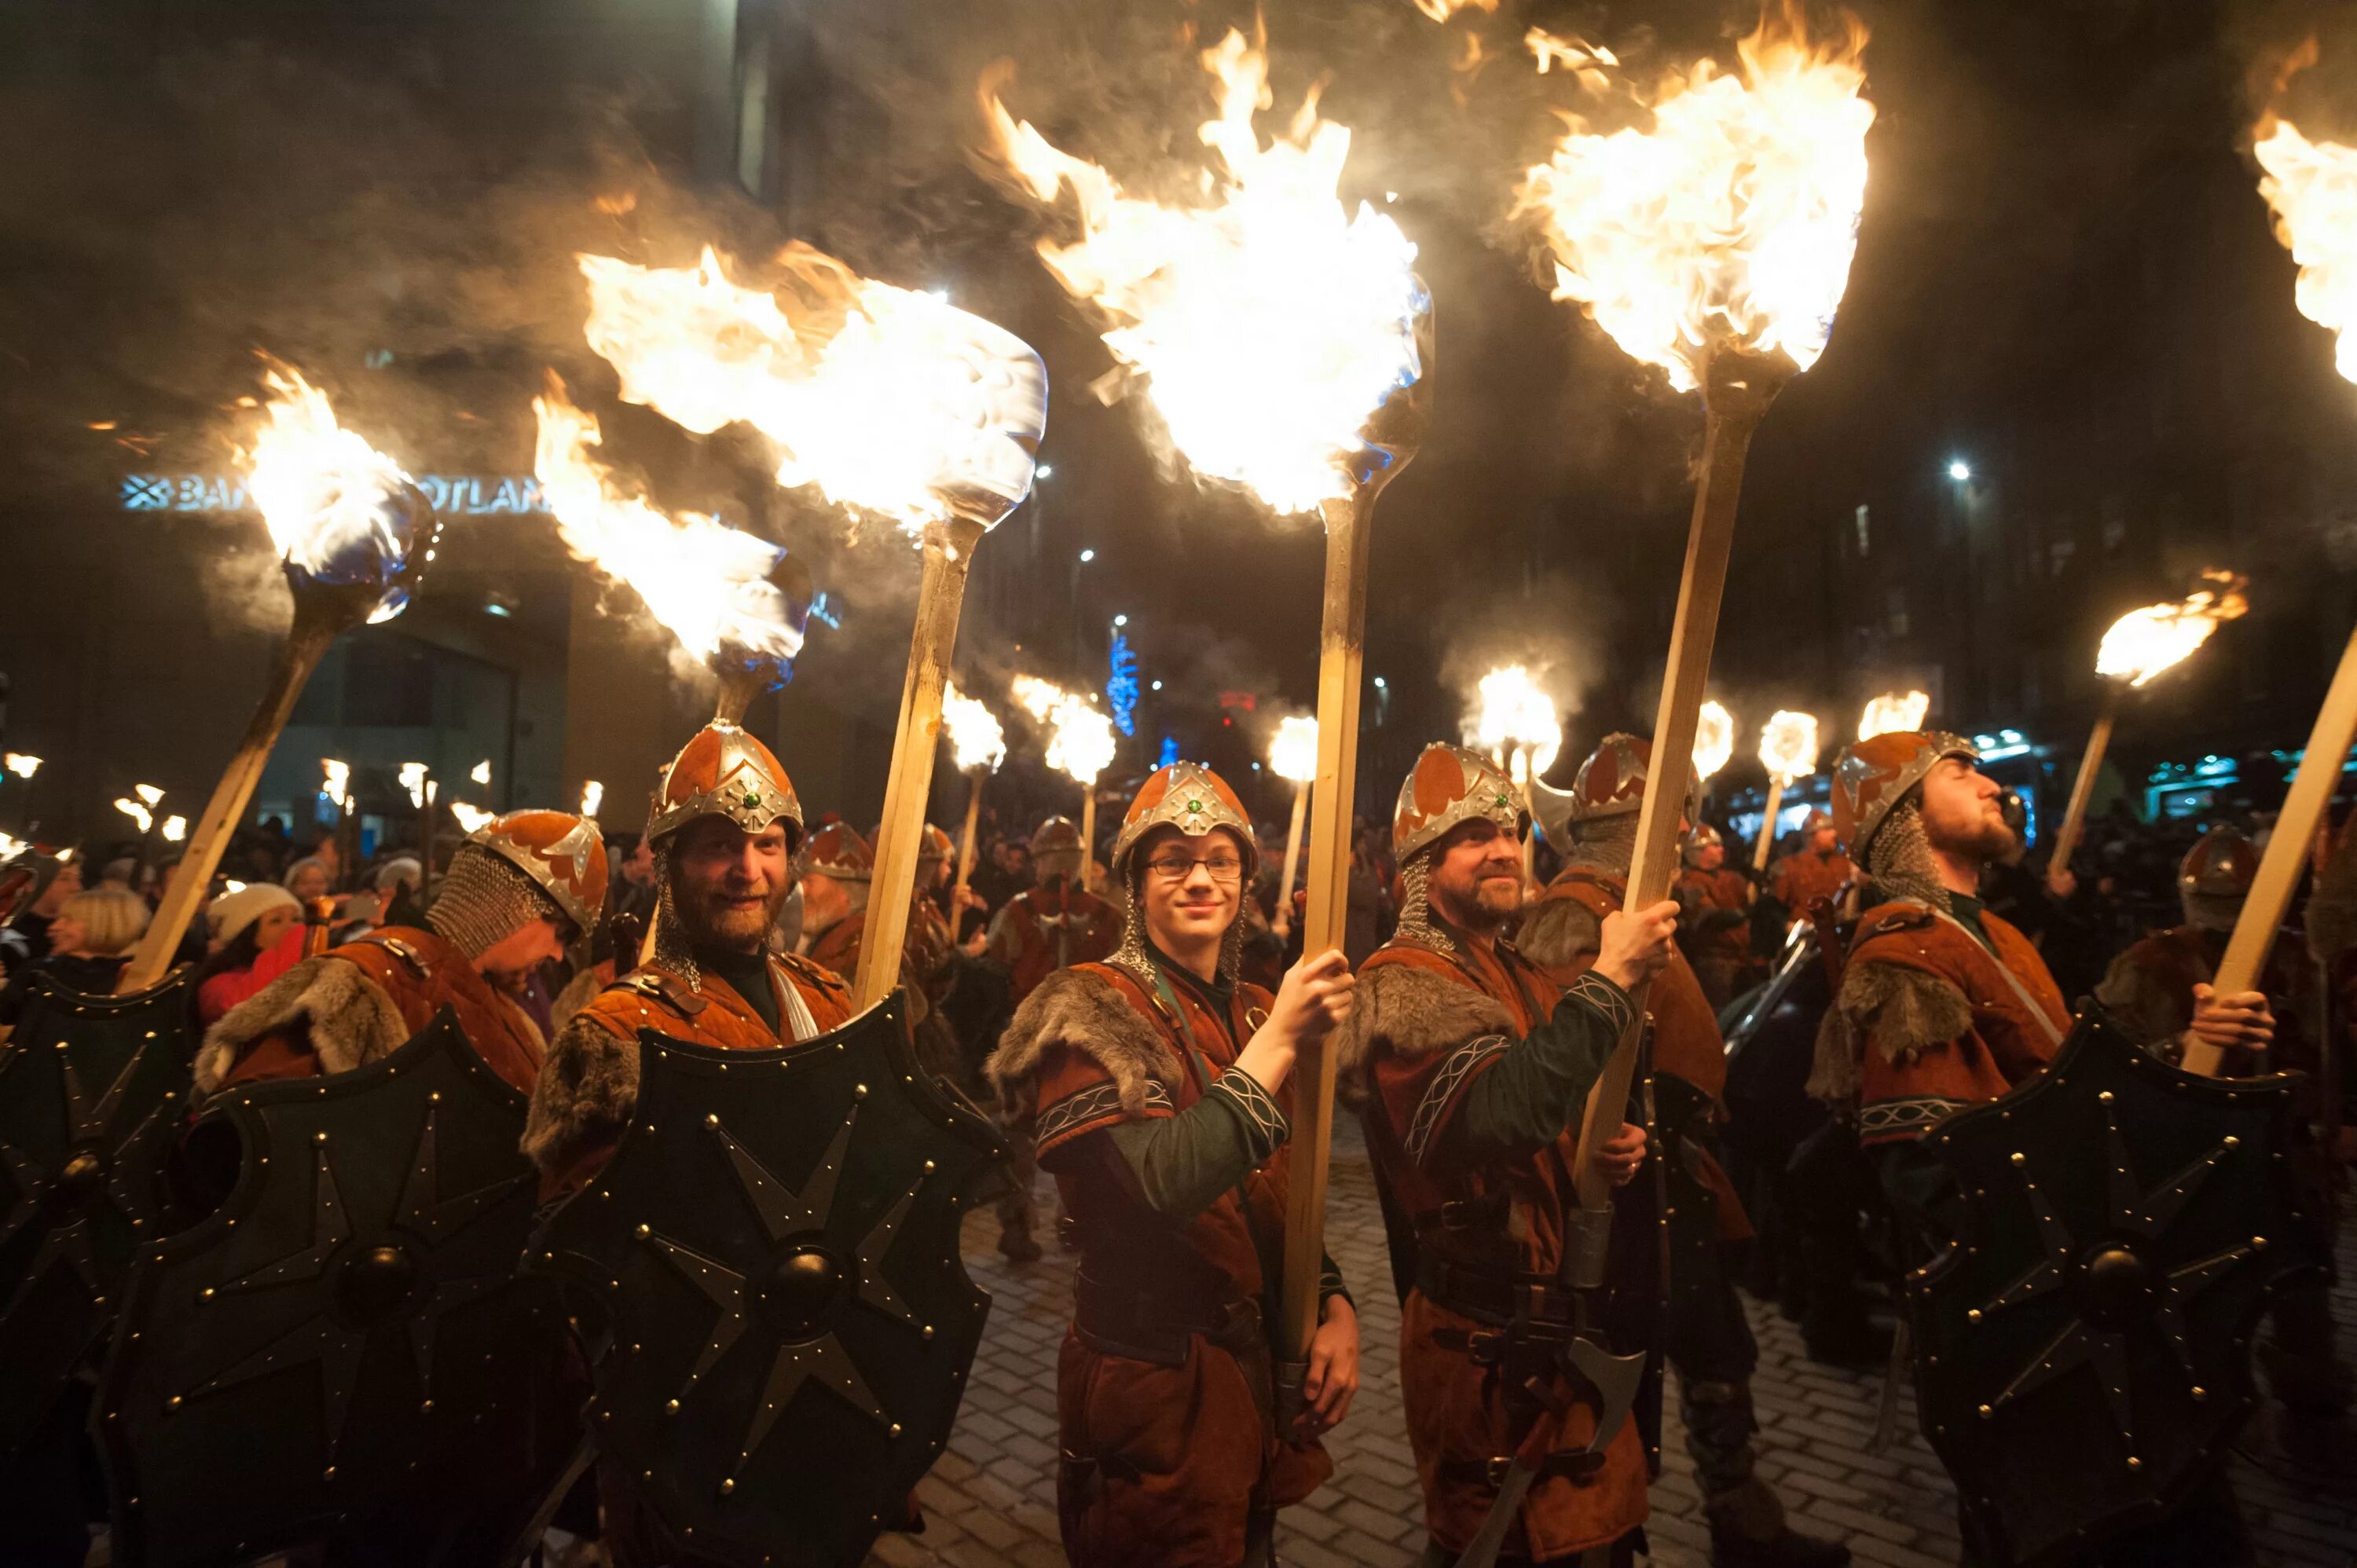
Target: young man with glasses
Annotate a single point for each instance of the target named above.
(1156, 1087)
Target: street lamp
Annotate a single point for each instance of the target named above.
(1087, 556)
(1960, 470)
(1121, 620)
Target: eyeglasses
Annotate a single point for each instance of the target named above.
(1223, 867)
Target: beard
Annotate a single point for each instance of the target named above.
(713, 918)
(1981, 837)
(1499, 897)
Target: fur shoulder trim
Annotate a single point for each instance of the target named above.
(1558, 933)
(1083, 1011)
(1414, 1011)
(585, 1092)
(344, 1016)
(1906, 1010)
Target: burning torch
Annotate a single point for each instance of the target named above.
(2140, 645)
(1714, 745)
(1285, 345)
(1080, 746)
(888, 403)
(977, 745)
(1293, 756)
(1514, 721)
(1788, 750)
(1716, 244)
(1893, 712)
(354, 535)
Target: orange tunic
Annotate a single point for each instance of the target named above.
(420, 974)
(1457, 1414)
(1686, 1041)
(1025, 936)
(2016, 1018)
(1805, 874)
(590, 1084)
(1163, 1462)
(1720, 889)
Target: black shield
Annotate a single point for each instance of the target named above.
(91, 1088)
(2083, 1349)
(789, 1323)
(346, 1346)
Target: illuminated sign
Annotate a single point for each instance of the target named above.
(1121, 686)
(452, 495)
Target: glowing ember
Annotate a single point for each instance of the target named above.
(593, 795)
(174, 828)
(1731, 221)
(1788, 745)
(976, 741)
(1515, 723)
(1293, 750)
(336, 781)
(2312, 186)
(708, 583)
(22, 764)
(890, 401)
(136, 811)
(1266, 321)
(340, 510)
(471, 818)
(2143, 643)
(1893, 712)
(413, 778)
(1713, 739)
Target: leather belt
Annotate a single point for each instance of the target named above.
(1150, 1324)
(1498, 1299)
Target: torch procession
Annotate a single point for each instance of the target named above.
(510, 1108)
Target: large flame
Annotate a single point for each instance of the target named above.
(1079, 737)
(1713, 739)
(1515, 722)
(892, 402)
(337, 509)
(1732, 220)
(976, 741)
(1893, 712)
(1266, 321)
(472, 819)
(1293, 750)
(24, 764)
(1788, 745)
(2143, 643)
(2312, 186)
(708, 583)
(412, 776)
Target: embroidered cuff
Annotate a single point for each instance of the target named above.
(1891, 1121)
(1606, 998)
(1266, 1125)
(1094, 1107)
(1441, 1093)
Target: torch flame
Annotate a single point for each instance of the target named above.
(1732, 220)
(1035, 696)
(1293, 750)
(1266, 322)
(2312, 186)
(147, 792)
(136, 811)
(481, 773)
(336, 781)
(1081, 740)
(892, 402)
(1893, 712)
(2143, 643)
(1788, 745)
(1713, 739)
(22, 764)
(706, 582)
(413, 778)
(471, 818)
(1516, 716)
(174, 828)
(337, 508)
(1441, 10)
(976, 741)
(593, 795)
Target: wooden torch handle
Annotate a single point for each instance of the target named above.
(2082, 788)
(306, 643)
(1767, 824)
(2287, 847)
(1341, 662)
(940, 592)
(1739, 389)
(972, 818)
(1292, 850)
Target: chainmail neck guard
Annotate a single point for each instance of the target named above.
(1415, 922)
(1901, 862)
(483, 900)
(2208, 912)
(672, 952)
(1605, 844)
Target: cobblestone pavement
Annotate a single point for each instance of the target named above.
(991, 1502)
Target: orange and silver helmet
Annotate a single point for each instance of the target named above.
(935, 847)
(1056, 835)
(1450, 785)
(1194, 800)
(1610, 783)
(564, 854)
(836, 850)
(725, 772)
(1699, 840)
(2220, 865)
(1817, 822)
(1872, 776)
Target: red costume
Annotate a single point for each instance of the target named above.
(1805, 874)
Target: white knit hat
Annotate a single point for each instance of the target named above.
(232, 912)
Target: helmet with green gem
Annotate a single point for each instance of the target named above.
(1194, 800)
(725, 772)
(1450, 785)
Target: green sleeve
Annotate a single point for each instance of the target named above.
(1523, 1103)
(1183, 1162)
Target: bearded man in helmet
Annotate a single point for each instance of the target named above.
(1818, 869)
(1714, 917)
(1706, 1337)
(520, 891)
(1475, 1067)
(1156, 1085)
(725, 827)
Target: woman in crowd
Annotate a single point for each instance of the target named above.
(257, 936)
(90, 941)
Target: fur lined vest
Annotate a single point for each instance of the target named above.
(360, 1002)
(1562, 931)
